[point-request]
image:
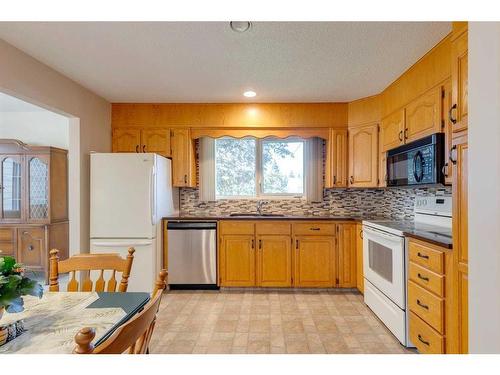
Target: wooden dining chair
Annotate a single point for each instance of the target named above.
(134, 336)
(84, 263)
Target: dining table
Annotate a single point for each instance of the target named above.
(52, 321)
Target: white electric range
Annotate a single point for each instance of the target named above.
(385, 258)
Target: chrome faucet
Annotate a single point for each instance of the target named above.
(259, 205)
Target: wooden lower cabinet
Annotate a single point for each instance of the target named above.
(314, 261)
(347, 277)
(237, 260)
(359, 258)
(274, 261)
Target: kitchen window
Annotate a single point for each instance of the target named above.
(249, 167)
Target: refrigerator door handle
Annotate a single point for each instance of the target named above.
(152, 195)
(123, 243)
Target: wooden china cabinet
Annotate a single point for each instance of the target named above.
(33, 203)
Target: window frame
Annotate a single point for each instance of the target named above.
(259, 171)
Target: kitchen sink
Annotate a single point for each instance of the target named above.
(247, 214)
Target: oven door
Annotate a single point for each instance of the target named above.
(383, 263)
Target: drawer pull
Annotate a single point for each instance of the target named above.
(422, 305)
(30, 248)
(422, 340)
(422, 277)
(422, 255)
(314, 228)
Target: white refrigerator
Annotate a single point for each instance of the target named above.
(129, 195)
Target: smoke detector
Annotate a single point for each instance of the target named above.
(240, 26)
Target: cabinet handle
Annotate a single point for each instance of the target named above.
(137, 148)
(444, 170)
(361, 233)
(143, 148)
(450, 114)
(260, 244)
(422, 277)
(406, 133)
(401, 136)
(30, 248)
(422, 255)
(296, 244)
(351, 180)
(253, 244)
(452, 150)
(185, 178)
(422, 340)
(422, 305)
(335, 180)
(314, 228)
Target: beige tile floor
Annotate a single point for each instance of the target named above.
(240, 321)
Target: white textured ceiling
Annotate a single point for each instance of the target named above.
(208, 62)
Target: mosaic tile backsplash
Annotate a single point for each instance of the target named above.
(394, 203)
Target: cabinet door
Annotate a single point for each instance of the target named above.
(237, 260)
(392, 130)
(11, 188)
(38, 188)
(460, 238)
(423, 115)
(359, 258)
(314, 261)
(459, 81)
(448, 133)
(347, 255)
(363, 156)
(31, 247)
(274, 261)
(183, 159)
(126, 140)
(156, 140)
(336, 163)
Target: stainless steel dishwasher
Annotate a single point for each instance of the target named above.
(192, 254)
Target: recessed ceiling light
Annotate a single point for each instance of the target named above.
(240, 26)
(249, 94)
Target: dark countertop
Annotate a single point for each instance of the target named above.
(287, 217)
(436, 239)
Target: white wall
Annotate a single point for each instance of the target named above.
(25, 77)
(484, 183)
(41, 128)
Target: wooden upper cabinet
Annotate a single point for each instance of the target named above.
(392, 130)
(336, 159)
(314, 261)
(156, 140)
(363, 156)
(237, 260)
(183, 159)
(347, 255)
(423, 115)
(126, 140)
(459, 81)
(274, 261)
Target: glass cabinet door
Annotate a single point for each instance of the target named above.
(11, 188)
(38, 189)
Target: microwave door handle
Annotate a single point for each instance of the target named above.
(418, 156)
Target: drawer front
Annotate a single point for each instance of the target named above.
(236, 227)
(429, 280)
(426, 339)
(7, 234)
(7, 248)
(427, 257)
(426, 305)
(272, 227)
(30, 246)
(314, 229)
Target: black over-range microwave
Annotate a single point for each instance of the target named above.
(417, 163)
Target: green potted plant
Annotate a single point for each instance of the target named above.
(14, 285)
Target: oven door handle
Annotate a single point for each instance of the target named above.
(376, 232)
